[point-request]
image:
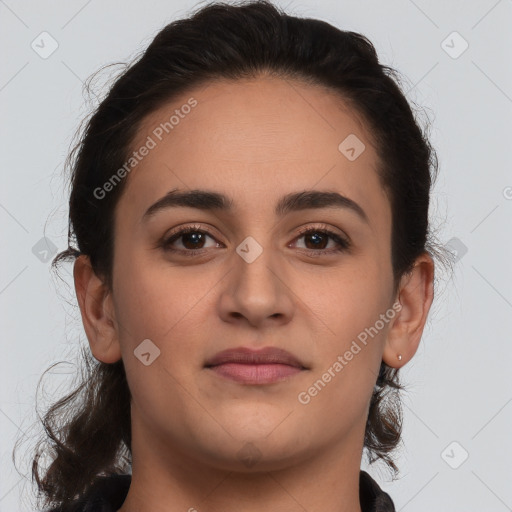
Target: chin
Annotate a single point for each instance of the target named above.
(253, 457)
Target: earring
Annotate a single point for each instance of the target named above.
(399, 357)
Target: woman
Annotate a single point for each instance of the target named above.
(253, 265)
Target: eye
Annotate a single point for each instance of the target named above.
(192, 239)
(318, 238)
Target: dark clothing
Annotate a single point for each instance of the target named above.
(109, 492)
(371, 497)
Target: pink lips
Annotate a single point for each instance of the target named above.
(250, 366)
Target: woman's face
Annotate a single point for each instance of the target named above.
(248, 277)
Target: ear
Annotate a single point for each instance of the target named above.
(416, 293)
(97, 311)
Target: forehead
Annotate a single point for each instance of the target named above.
(254, 140)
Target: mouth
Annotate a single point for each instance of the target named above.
(257, 367)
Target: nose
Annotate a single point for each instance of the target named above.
(256, 293)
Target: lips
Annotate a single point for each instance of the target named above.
(251, 367)
(264, 356)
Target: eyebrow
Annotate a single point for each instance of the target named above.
(215, 201)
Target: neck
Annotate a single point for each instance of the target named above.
(166, 479)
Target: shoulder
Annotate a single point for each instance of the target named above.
(372, 497)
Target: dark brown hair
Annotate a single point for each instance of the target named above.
(88, 432)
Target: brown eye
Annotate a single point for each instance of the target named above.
(316, 240)
(192, 239)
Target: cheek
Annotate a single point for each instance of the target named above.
(166, 312)
(349, 308)
(151, 299)
(164, 305)
(352, 298)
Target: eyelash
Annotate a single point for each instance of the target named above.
(343, 244)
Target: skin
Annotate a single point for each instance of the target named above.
(255, 141)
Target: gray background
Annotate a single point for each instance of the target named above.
(458, 385)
